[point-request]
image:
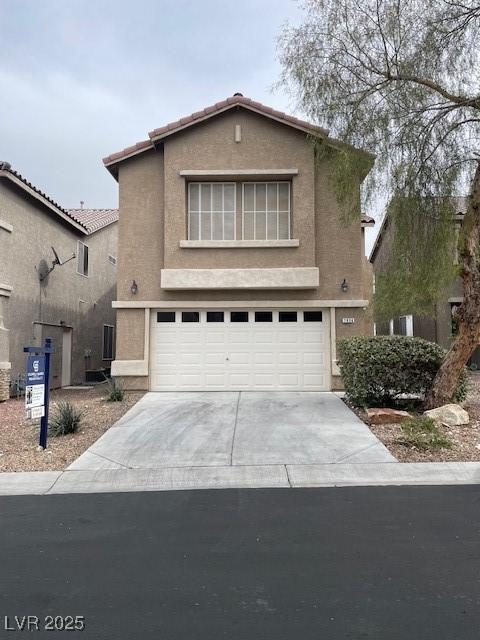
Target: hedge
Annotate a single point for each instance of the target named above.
(377, 370)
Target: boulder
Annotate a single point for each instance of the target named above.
(386, 416)
(451, 415)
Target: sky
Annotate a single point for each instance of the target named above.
(80, 79)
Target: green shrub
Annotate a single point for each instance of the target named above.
(66, 419)
(377, 370)
(116, 393)
(423, 434)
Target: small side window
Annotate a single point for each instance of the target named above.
(107, 342)
(215, 316)
(263, 316)
(239, 316)
(312, 316)
(82, 258)
(165, 316)
(287, 316)
(190, 316)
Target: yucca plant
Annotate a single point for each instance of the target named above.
(66, 419)
(116, 393)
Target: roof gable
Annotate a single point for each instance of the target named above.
(236, 101)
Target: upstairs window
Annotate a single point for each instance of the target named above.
(82, 258)
(211, 211)
(107, 342)
(266, 211)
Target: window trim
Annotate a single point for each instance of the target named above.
(200, 183)
(266, 183)
(112, 327)
(79, 242)
(408, 325)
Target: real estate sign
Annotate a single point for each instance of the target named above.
(35, 387)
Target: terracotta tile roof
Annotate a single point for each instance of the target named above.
(84, 220)
(228, 104)
(94, 219)
(198, 116)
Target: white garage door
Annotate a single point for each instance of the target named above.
(234, 349)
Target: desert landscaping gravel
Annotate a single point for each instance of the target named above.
(465, 439)
(19, 437)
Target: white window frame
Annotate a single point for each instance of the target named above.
(255, 183)
(112, 327)
(80, 273)
(234, 184)
(408, 325)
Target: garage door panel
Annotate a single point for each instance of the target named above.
(214, 338)
(240, 339)
(289, 358)
(240, 356)
(263, 358)
(288, 380)
(240, 379)
(263, 338)
(313, 358)
(216, 358)
(215, 380)
(191, 359)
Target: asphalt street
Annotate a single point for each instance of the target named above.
(349, 563)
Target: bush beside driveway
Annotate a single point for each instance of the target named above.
(19, 437)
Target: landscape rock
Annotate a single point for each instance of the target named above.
(451, 415)
(386, 416)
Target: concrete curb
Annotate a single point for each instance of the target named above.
(239, 477)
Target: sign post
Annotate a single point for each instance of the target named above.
(37, 388)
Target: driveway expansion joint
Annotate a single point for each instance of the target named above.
(235, 427)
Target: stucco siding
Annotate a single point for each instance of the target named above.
(141, 226)
(153, 223)
(64, 296)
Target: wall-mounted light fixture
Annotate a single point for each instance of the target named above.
(344, 286)
(134, 288)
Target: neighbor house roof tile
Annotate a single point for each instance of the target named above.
(94, 219)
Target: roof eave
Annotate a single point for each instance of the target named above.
(154, 136)
(39, 197)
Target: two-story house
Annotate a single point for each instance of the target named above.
(235, 270)
(57, 279)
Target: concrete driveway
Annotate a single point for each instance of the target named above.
(265, 431)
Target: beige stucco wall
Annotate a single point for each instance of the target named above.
(82, 302)
(153, 221)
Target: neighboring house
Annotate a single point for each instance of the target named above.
(438, 327)
(72, 304)
(235, 270)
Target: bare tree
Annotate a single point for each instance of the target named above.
(401, 78)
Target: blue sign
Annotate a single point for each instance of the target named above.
(35, 370)
(37, 386)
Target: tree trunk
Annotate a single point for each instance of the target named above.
(468, 315)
